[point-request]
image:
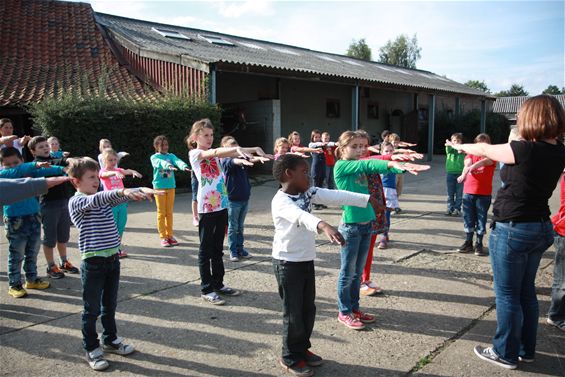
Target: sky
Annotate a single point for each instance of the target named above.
(498, 42)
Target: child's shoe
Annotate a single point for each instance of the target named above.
(312, 359)
(467, 247)
(448, 213)
(349, 320)
(37, 284)
(300, 368)
(234, 258)
(370, 284)
(165, 243)
(213, 298)
(382, 244)
(364, 317)
(96, 359)
(479, 250)
(68, 267)
(17, 291)
(397, 211)
(245, 254)
(365, 290)
(227, 291)
(457, 213)
(54, 272)
(118, 347)
(122, 254)
(173, 241)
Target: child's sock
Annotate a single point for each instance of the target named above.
(50, 264)
(63, 259)
(479, 238)
(469, 237)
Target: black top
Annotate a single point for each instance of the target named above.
(529, 182)
(59, 192)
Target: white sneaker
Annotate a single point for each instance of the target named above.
(95, 359)
(213, 298)
(119, 347)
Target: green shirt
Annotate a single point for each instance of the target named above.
(163, 176)
(351, 175)
(455, 161)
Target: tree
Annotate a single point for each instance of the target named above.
(478, 85)
(403, 52)
(359, 49)
(553, 89)
(515, 90)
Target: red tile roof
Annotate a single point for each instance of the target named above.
(49, 47)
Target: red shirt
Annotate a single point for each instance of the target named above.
(330, 157)
(479, 181)
(559, 218)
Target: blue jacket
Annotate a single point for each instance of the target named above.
(237, 181)
(28, 206)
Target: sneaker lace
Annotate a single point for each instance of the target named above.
(96, 354)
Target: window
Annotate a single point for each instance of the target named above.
(373, 110)
(216, 40)
(251, 45)
(170, 33)
(332, 108)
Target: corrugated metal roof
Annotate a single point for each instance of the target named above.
(259, 53)
(510, 105)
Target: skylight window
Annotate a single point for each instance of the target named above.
(327, 58)
(352, 62)
(285, 51)
(170, 33)
(251, 45)
(216, 40)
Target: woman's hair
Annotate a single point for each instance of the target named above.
(108, 152)
(344, 140)
(482, 138)
(159, 140)
(227, 140)
(101, 144)
(77, 167)
(315, 132)
(291, 136)
(288, 161)
(541, 117)
(196, 128)
(279, 142)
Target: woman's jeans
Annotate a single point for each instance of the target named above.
(353, 258)
(515, 253)
(557, 309)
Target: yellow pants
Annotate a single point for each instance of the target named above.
(165, 204)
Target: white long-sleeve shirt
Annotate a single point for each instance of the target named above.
(295, 226)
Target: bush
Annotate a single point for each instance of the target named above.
(80, 123)
(446, 124)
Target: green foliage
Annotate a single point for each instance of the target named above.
(423, 362)
(476, 84)
(80, 123)
(515, 90)
(446, 124)
(403, 52)
(553, 89)
(359, 49)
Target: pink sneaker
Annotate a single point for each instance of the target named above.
(165, 243)
(364, 317)
(173, 241)
(350, 321)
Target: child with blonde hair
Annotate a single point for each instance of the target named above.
(164, 166)
(212, 206)
(106, 144)
(55, 148)
(295, 146)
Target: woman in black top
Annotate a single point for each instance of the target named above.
(521, 229)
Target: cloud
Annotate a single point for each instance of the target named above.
(237, 9)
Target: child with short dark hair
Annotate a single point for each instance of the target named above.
(56, 222)
(329, 152)
(239, 191)
(22, 221)
(454, 164)
(294, 251)
(91, 213)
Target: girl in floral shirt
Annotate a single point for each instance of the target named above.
(212, 206)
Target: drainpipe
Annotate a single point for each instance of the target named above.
(483, 116)
(212, 85)
(431, 125)
(355, 108)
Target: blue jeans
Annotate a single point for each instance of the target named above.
(100, 280)
(353, 258)
(454, 192)
(475, 213)
(557, 309)
(330, 177)
(24, 238)
(515, 254)
(236, 220)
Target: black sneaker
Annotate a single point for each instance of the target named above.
(479, 250)
(300, 368)
(312, 359)
(54, 272)
(467, 247)
(488, 354)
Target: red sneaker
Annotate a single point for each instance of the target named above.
(165, 243)
(173, 241)
(364, 317)
(350, 321)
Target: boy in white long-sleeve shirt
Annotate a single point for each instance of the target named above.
(294, 251)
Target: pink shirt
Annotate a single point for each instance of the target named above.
(112, 182)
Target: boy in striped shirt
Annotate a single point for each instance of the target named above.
(91, 213)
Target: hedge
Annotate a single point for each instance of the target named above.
(80, 123)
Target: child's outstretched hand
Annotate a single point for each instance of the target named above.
(262, 159)
(243, 154)
(43, 164)
(119, 175)
(318, 150)
(410, 168)
(142, 193)
(66, 154)
(332, 233)
(136, 174)
(172, 167)
(54, 181)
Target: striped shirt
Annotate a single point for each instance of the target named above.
(92, 215)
